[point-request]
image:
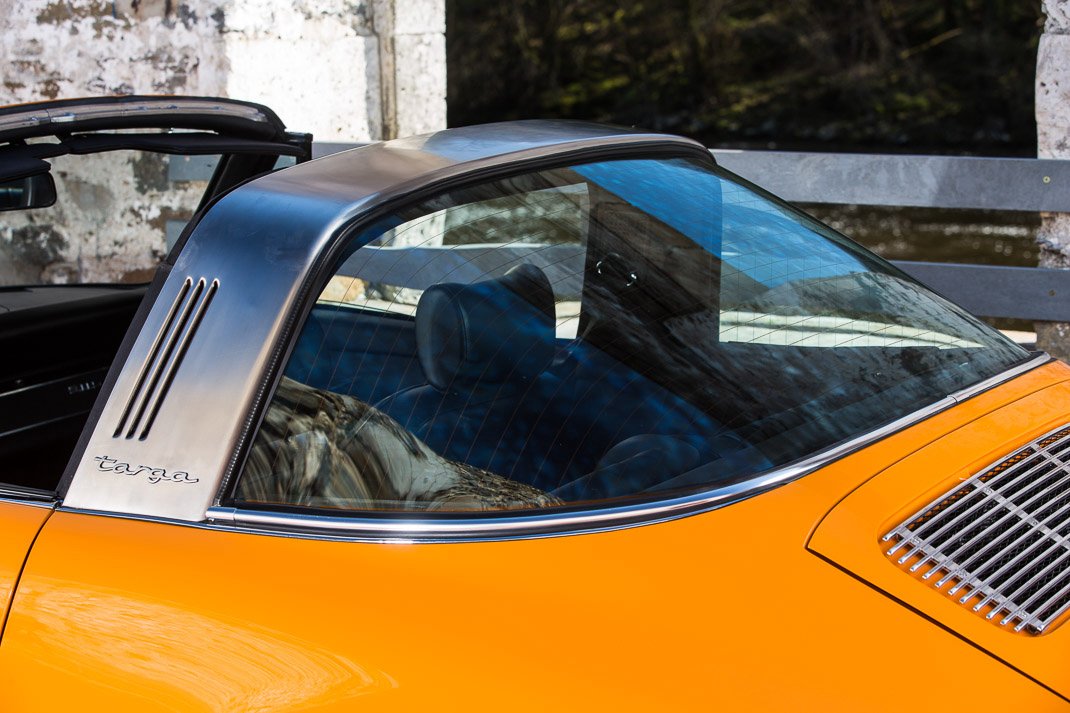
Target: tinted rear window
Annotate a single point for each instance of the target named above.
(595, 334)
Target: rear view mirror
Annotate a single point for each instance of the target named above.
(38, 191)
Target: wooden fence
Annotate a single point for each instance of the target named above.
(1005, 184)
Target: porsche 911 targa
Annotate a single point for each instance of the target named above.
(525, 416)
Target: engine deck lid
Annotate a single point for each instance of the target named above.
(971, 532)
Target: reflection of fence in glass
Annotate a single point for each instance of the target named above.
(953, 182)
(417, 268)
(473, 242)
(414, 269)
(1020, 185)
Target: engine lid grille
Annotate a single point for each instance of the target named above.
(999, 542)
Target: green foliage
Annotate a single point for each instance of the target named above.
(921, 74)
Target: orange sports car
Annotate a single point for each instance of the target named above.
(526, 416)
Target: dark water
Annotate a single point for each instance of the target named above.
(940, 235)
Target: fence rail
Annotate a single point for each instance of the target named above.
(1005, 184)
(1012, 184)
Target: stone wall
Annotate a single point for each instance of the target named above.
(345, 70)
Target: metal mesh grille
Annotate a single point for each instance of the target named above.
(999, 543)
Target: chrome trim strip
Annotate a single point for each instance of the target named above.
(558, 524)
(969, 392)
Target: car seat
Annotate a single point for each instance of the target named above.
(484, 349)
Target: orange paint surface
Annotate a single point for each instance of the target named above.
(19, 524)
(724, 610)
(851, 534)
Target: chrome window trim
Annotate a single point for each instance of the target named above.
(392, 529)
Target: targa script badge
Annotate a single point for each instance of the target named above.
(153, 475)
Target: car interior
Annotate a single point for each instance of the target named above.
(56, 344)
(479, 375)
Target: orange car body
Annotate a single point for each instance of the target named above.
(783, 601)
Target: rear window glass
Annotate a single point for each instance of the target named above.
(594, 335)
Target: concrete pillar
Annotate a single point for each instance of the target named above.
(1053, 141)
(412, 41)
(315, 62)
(345, 70)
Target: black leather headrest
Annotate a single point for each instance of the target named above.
(490, 332)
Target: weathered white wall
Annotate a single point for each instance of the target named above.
(54, 49)
(108, 224)
(345, 70)
(1053, 141)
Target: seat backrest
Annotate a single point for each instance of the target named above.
(483, 348)
(365, 354)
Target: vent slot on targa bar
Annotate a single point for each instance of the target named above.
(165, 357)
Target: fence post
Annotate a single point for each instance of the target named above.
(1053, 141)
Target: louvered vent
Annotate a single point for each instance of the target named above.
(999, 543)
(165, 356)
